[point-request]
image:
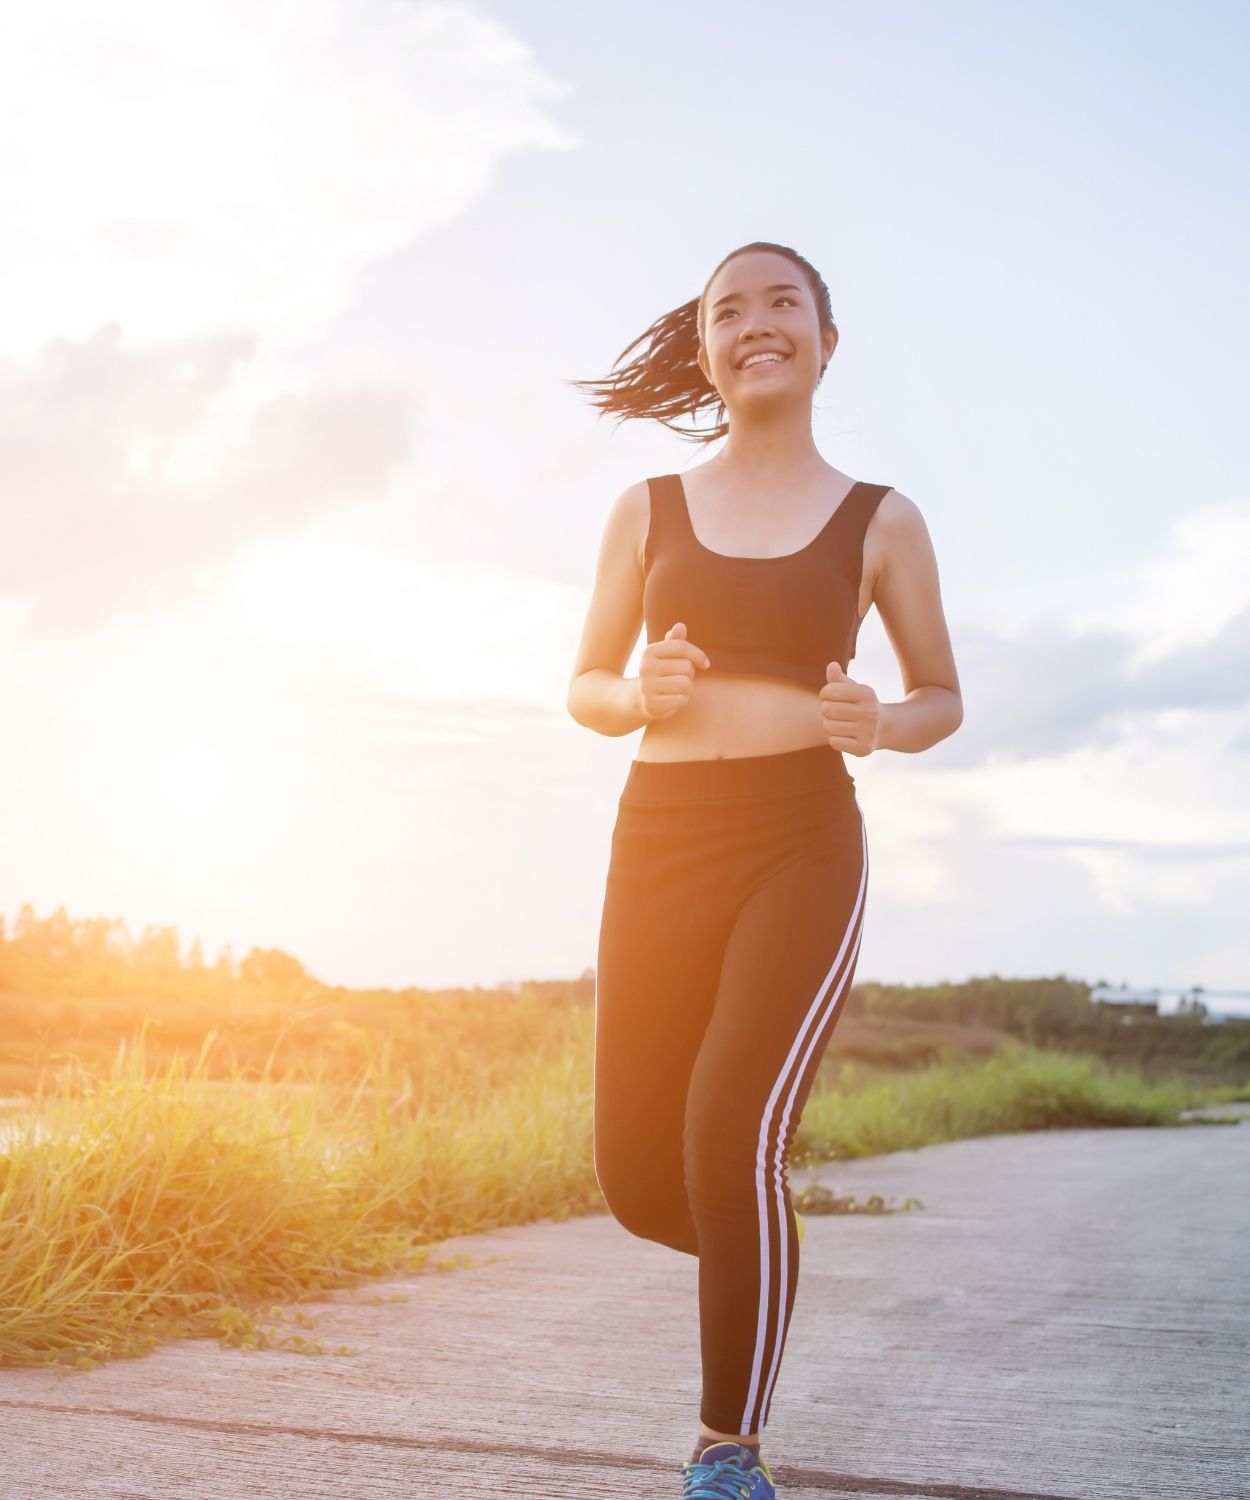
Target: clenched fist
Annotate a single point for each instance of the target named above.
(851, 712)
(666, 673)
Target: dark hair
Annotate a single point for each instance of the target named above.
(665, 381)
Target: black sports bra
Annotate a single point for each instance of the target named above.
(785, 616)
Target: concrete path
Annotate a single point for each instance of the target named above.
(1068, 1316)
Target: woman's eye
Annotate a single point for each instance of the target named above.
(727, 310)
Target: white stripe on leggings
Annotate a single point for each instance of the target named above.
(792, 1074)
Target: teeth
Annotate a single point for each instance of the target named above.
(762, 359)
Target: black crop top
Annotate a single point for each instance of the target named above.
(785, 616)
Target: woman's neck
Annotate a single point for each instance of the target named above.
(777, 446)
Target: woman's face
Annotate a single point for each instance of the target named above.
(760, 302)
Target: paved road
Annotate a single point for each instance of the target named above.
(1068, 1316)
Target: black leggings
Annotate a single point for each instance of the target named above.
(731, 924)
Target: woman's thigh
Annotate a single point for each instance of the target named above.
(667, 913)
(787, 969)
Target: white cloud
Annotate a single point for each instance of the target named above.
(1165, 642)
(111, 517)
(189, 195)
(1186, 594)
(180, 168)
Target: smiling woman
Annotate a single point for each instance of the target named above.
(736, 891)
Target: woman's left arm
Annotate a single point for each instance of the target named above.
(909, 600)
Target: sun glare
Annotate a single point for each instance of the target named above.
(191, 774)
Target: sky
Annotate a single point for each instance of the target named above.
(300, 513)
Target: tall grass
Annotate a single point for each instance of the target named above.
(139, 1208)
(956, 1099)
(143, 1205)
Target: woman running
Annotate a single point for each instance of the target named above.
(735, 893)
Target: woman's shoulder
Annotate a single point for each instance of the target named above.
(895, 525)
(898, 513)
(629, 517)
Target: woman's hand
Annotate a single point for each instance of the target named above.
(666, 673)
(851, 712)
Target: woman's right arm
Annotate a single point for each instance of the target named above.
(600, 696)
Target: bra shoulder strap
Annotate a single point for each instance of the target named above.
(863, 503)
(861, 506)
(665, 500)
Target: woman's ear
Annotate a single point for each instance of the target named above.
(829, 341)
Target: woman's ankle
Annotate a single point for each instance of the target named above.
(751, 1439)
(706, 1440)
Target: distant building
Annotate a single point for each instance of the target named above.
(1128, 1002)
(1214, 1006)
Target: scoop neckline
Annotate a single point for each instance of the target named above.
(776, 557)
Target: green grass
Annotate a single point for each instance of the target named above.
(956, 1099)
(154, 1203)
(149, 1207)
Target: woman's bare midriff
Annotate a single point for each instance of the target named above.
(728, 715)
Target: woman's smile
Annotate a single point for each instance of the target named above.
(771, 363)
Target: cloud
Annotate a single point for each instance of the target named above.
(124, 494)
(177, 168)
(1238, 849)
(1187, 593)
(1170, 635)
(1048, 689)
(190, 197)
(1214, 674)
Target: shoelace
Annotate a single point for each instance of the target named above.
(723, 1480)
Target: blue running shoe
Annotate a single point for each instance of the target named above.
(727, 1471)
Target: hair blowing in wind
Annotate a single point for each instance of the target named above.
(664, 380)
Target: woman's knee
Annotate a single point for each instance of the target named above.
(647, 1209)
(624, 1193)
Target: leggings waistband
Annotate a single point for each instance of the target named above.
(815, 768)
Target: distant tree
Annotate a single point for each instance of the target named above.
(224, 968)
(159, 952)
(271, 966)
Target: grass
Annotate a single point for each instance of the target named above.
(956, 1099)
(135, 1208)
(144, 1205)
